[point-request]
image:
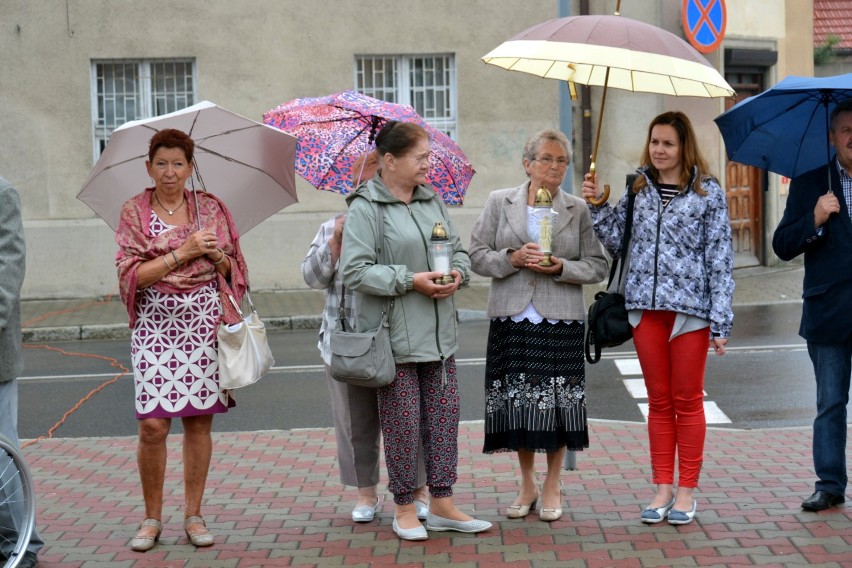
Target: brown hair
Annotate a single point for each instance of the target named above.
(690, 155)
(171, 138)
(397, 138)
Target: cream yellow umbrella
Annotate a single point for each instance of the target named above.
(611, 51)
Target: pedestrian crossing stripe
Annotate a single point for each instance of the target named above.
(637, 389)
(712, 413)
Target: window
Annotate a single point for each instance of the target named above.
(132, 89)
(426, 82)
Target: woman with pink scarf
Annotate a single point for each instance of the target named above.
(179, 256)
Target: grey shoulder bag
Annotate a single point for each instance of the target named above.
(364, 358)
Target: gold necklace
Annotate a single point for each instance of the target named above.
(170, 212)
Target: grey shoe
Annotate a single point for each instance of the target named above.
(144, 543)
(417, 533)
(422, 509)
(199, 539)
(365, 513)
(436, 523)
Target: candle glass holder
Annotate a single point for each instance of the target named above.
(440, 253)
(543, 206)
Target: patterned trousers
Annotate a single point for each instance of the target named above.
(416, 408)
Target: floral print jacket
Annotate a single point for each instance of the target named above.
(681, 258)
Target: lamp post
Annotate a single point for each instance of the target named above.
(440, 252)
(543, 204)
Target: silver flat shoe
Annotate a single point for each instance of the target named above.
(417, 533)
(422, 509)
(198, 539)
(652, 515)
(436, 523)
(365, 513)
(143, 543)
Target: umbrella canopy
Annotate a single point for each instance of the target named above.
(611, 51)
(785, 128)
(335, 130)
(248, 165)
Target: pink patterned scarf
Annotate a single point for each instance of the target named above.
(137, 245)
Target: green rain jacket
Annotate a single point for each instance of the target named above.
(422, 329)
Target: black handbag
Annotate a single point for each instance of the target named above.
(607, 324)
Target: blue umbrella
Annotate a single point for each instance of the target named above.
(785, 129)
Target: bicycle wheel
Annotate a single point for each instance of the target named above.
(17, 504)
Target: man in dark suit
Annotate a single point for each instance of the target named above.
(12, 259)
(817, 222)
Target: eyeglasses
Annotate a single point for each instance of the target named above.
(549, 160)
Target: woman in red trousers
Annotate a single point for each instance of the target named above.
(678, 292)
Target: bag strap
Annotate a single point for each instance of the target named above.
(238, 307)
(381, 257)
(618, 265)
(590, 336)
(625, 237)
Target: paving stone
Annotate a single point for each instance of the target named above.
(274, 500)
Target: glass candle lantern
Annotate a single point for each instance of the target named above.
(543, 205)
(440, 253)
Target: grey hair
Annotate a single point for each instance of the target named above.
(546, 135)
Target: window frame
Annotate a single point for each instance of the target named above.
(404, 90)
(145, 94)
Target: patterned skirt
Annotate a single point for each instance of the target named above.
(535, 387)
(174, 352)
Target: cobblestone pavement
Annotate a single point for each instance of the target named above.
(273, 497)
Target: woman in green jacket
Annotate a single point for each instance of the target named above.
(422, 403)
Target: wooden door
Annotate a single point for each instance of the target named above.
(744, 186)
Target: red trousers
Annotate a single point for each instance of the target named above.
(674, 378)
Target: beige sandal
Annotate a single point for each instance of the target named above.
(199, 539)
(143, 543)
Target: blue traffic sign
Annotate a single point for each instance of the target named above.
(704, 23)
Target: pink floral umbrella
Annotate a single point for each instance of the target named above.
(334, 130)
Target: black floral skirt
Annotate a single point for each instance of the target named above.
(535, 387)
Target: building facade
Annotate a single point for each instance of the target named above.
(72, 70)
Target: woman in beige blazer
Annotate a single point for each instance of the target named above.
(535, 375)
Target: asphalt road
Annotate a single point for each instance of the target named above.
(765, 380)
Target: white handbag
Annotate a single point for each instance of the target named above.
(244, 354)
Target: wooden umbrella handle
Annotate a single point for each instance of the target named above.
(598, 201)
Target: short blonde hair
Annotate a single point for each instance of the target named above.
(546, 135)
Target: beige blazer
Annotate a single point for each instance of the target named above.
(502, 228)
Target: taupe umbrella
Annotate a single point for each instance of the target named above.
(246, 164)
(611, 51)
